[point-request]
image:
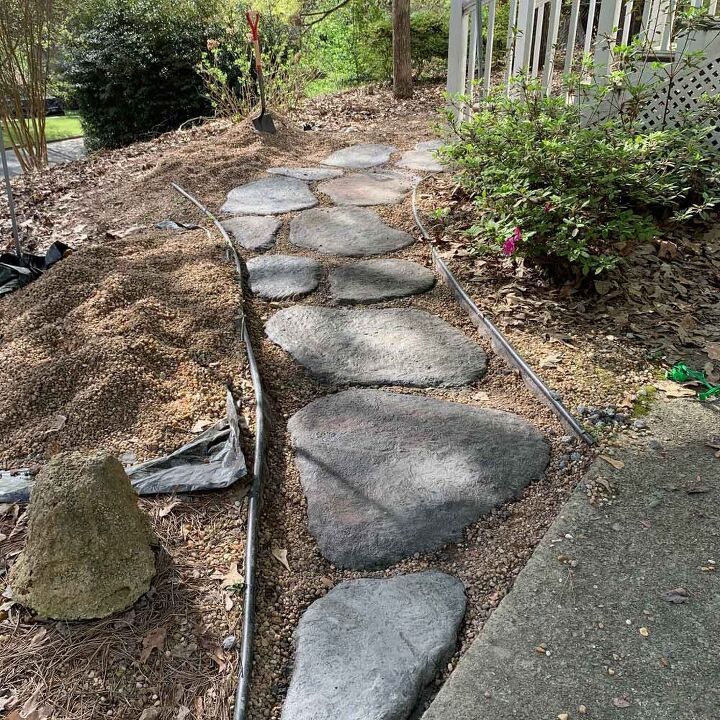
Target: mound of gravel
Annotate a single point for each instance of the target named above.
(122, 346)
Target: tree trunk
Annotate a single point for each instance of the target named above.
(402, 68)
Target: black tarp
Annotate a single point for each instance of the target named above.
(16, 273)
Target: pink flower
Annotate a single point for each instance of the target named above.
(510, 245)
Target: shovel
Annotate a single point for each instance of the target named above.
(264, 122)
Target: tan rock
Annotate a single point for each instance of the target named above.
(88, 551)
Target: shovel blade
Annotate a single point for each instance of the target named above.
(264, 124)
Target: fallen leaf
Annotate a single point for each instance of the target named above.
(233, 577)
(8, 702)
(664, 662)
(673, 389)
(200, 426)
(713, 350)
(32, 709)
(164, 512)
(550, 361)
(280, 554)
(151, 713)
(539, 649)
(199, 708)
(55, 424)
(229, 603)
(644, 631)
(677, 595)
(154, 640)
(37, 637)
(622, 702)
(617, 464)
(183, 712)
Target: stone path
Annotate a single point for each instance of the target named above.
(389, 475)
(377, 280)
(377, 347)
(368, 648)
(278, 277)
(385, 474)
(350, 232)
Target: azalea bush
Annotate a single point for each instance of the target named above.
(550, 188)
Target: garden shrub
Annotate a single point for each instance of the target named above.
(133, 66)
(228, 64)
(548, 187)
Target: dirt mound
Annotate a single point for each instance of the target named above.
(122, 346)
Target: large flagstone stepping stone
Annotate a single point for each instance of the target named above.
(376, 280)
(395, 346)
(368, 648)
(277, 277)
(422, 157)
(368, 188)
(347, 231)
(387, 475)
(365, 155)
(269, 196)
(309, 174)
(253, 232)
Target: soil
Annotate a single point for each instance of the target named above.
(173, 305)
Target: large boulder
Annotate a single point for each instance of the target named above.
(88, 551)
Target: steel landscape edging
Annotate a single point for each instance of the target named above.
(497, 340)
(254, 498)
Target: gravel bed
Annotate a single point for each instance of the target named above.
(493, 550)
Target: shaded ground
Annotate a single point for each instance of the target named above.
(596, 346)
(617, 613)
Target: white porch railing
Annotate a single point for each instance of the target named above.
(547, 38)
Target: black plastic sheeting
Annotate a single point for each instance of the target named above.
(16, 273)
(212, 461)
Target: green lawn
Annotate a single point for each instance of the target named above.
(58, 127)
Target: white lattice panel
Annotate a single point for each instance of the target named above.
(685, 97)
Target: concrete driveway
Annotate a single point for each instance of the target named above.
(58, 152)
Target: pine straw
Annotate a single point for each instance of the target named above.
(86, 670)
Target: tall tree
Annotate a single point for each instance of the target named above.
(402, 67)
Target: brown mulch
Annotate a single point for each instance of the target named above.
(603, 342)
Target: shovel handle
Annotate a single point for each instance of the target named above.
(253, 23)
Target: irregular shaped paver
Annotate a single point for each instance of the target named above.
(375, 280)
(269, 196)
(352, 232)
(365, 155)
(424, 160)
(253, 232)
(430, 145)
(309, 174)
(368, 188)
(283, 276)
(387, 475)
(369, 647)
(377, 347)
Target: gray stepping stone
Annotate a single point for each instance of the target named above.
(253, 232)
(376, 280)
(270, 196)
(387, 475)
(309, 174)
(365, 155)
(430, 145)
(282, 276)
(368, 188)
(369, 647)
(377, 346)
(351, 232)
(423, 160)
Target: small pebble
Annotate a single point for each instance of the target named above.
(229, 642)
